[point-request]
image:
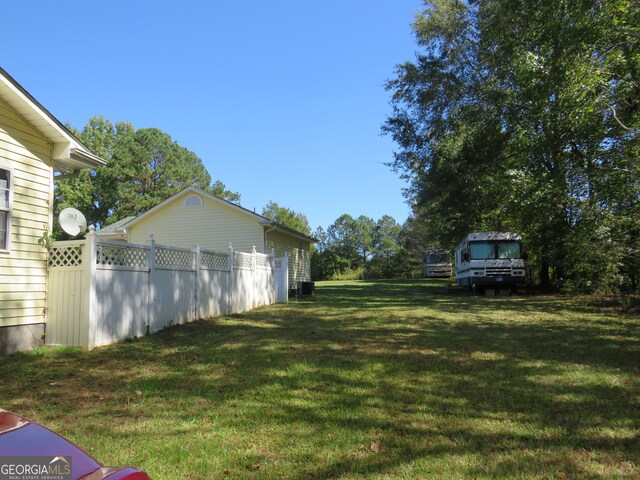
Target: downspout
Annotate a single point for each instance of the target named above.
(273, 227)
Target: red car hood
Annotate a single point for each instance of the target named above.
(21, 437)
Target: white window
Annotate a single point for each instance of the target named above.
(193, 201)
(6, 183)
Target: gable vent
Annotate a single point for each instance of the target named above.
(193, 201)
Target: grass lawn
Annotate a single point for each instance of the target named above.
(387, 379)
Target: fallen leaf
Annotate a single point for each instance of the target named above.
(256, 465)
(375, 447)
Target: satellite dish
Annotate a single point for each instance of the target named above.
(72, 221)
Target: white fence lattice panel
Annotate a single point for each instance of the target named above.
(121, 256)
(214, 260)
(171, 257)
(263, 262)
(242, 261)
(65, 256)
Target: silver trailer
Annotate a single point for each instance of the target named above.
(436, 263)
(490, 260)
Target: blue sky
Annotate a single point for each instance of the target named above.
(282, 100)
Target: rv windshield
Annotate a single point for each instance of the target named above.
(438, 257)
(509, 250)
(492, 250)
(482, 250)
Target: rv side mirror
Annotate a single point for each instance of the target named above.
(525, 256)
(465, 257)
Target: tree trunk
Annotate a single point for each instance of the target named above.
(545, 281)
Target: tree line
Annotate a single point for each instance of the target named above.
(353, 248)
(524, 116)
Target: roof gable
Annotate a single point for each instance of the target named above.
(259, 219)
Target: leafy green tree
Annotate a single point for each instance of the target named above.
(523, 116)
(364, 231)
(326, 262)
(360, 247)
(93, 192)
(145, 167)
(417, 239)
(388, 259)
(342, 240)
(287, 217)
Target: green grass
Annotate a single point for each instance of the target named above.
(385, 379)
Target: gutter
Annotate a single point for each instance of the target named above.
(84, 155)
(291, 231)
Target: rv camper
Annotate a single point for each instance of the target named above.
(490, 260)
(436, 263)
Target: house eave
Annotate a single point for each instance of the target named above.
(68, 151)
(287, 230)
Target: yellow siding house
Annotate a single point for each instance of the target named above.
(194, 217)
(33, 145)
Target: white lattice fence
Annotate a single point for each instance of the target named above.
(101, 292)
(263, 262)
(67, 255)
(242, 261)
(121, 255)
(174, 257)
(211, 260)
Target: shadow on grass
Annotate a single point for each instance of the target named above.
(446, 386)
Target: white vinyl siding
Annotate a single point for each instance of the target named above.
(26, 155)
(212, 226)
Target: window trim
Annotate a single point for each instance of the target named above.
(9, 209)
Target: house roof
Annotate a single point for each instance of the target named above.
(68, 151)
(264, 221)
(114, 227)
